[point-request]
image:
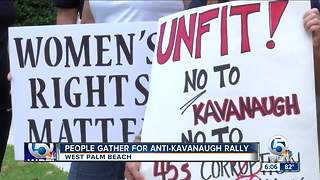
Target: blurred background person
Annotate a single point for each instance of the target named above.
(112, 12)
(129, 11)
(68, 11)
(7, 18)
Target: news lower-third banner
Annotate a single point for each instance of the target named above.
(141, 152)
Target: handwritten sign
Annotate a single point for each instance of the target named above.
(80, 83)
(235, 72)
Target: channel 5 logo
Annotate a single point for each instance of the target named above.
(39, 152)
(277, 145)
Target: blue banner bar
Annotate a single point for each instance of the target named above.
(159, 147)
(289, 167)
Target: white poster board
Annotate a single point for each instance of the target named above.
(79, 83)
(236, 72)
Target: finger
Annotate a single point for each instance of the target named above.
(311, 23)
(137, 175)
(311, 11)
(128, 175)
(133, 166)
(310, 17)
(315, 10)
(134, 170)
(9, 77)
(315, 28)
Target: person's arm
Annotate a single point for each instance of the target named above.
(186, 3)
(67, 15)
(68, 11)
(311, 22)
(132, 169)
(87, 16)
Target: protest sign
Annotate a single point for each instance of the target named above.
(235, 72)
(79, 83)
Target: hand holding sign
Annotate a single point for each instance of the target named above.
(311, 21)
(132, 171)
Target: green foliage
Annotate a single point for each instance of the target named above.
(35, 12)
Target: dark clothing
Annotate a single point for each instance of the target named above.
(70, 4)
(315, 4)
(7, 18)
(96, 171)
(7, 13)
(5, 115)
(91, 170)
(4, 69)
(5, 122)
(198, 3)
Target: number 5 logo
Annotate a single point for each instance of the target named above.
(40, 150)
(277, 144)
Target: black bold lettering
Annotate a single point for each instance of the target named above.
(142, 89)
(28, 52)
(99, 90)
(47, 50)
(118, 80)
(82, 122)
(104, 127)
(67, 92)
(66, 128)
(121, 44)
(100, 50)
(45, 130)
(125, 128)
(84, 47)
(35, 94)
(151, 46)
